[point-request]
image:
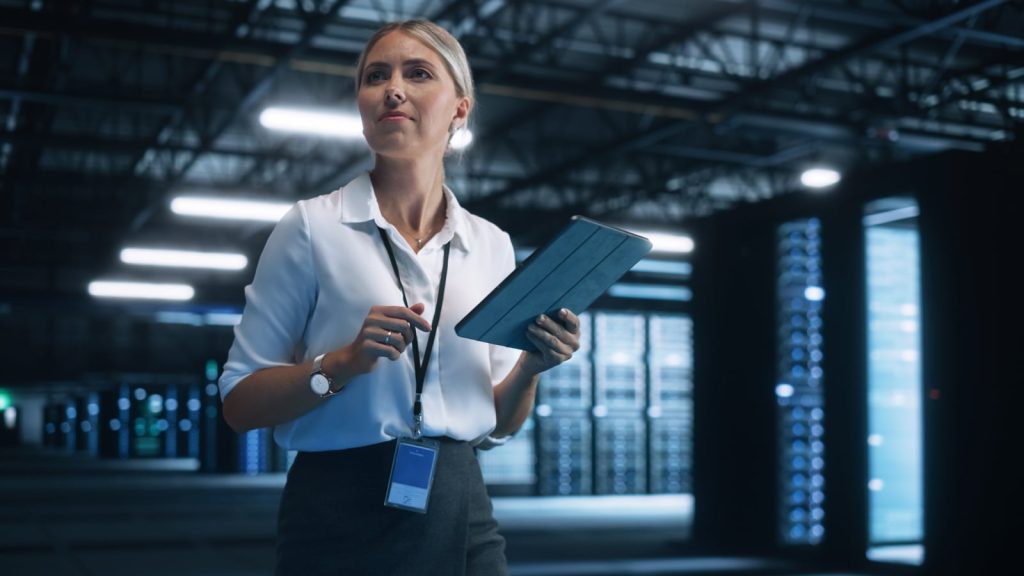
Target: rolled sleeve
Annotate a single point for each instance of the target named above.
(278, 303)
(490, 442)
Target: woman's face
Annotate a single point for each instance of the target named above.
(407, 100)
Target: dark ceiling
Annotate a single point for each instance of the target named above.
(648, 111)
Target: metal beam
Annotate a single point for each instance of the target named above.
(562, 31)
(254, 95)
(732, 104)
(845, 14)
(114, 145)
(155, 105)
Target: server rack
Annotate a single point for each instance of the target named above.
(148, 426)
(564, 446)
(670, 409)
(255, 451)
(615, 419)
(563, 428)
(620, 372)
(799, 388)
(188, 425)
(59, 426)
(210, 440)
(511, 469)
(170, 421)
(894, 381)
(120, 425)
(88, 410)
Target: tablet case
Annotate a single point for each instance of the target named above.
(570, 271)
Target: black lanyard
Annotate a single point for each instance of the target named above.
(420, 367)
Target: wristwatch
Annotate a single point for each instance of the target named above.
(320, 382)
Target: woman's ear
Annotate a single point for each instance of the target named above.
(462, 110)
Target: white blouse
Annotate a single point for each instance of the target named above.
(322, 269)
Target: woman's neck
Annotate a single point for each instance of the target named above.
(410, 194)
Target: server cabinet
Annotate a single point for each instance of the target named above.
(620, 399)
(564, 443)
(621, 458)
(670, 408)
(799, 382)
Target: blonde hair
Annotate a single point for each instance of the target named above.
(437, 39)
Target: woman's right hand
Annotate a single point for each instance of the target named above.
(385, 333)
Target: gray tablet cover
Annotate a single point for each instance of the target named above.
(570, 271)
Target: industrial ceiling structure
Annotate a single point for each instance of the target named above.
(646, 112)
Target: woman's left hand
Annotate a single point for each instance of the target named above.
(555, 341)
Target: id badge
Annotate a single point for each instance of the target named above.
(412, 474)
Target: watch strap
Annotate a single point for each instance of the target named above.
(318, 369)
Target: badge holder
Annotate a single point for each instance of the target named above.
(412, 474)
(412, 470)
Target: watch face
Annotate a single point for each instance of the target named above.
(319, 383)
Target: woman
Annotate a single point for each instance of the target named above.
(333, 355)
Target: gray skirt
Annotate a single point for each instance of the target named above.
(333, 520)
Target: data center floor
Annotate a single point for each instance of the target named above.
(68, 516)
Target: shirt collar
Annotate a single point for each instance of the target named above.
(359, 204)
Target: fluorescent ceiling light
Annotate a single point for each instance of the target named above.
(229, 209)
(222, 319)
(173, 317)
(666, 242)
(903, 554)
(462, 138)
(819, 177)
(651, 292)
(142, 290)
(666, 267)
(184, 259)
(895, 215)
(319, 123)
(198, 319)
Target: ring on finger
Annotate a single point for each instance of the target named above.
(387, 338)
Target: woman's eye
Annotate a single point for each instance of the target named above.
(374, 76)
(420, 74)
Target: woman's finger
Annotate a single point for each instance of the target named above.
(399, 314)
(555, 336)
(393, 338)
(381, 350)
(569, 320)
(566, 332)
(548, 357)
(548, 341)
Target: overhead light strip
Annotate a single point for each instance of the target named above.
(314, 122)
(905, 213)
(206, 207)
(819, 177)
(184, 259)
(667, 242)
(651, 292)
(140, 290)
(666, 267)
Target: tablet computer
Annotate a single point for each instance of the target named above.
(570, 271)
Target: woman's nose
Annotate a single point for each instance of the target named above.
(394, 94)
